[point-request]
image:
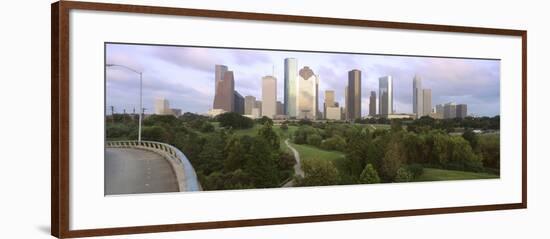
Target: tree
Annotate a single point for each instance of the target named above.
(264, 120)
(403, 175)
(302, 133)
(319, 173)
(155, 133)
(268, 134)
(369, 175)
(212, 155)
(396, 126)
(440, 149)
(357, 152)
(463, 157)
(415, 169)
(394, 158)
(286, 161)
(234, 120)
(471, 137)
(261, 165)
(489, 147)
(314, 140)
(207, 127)
(284, 126)
(335, 142)
(236, 151)
(415, 148)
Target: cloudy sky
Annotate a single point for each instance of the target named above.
(185, 76)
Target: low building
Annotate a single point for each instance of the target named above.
(333, 113)
(436, 115)
(215, 112)
(399, 116)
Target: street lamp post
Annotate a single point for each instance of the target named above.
(140, 94)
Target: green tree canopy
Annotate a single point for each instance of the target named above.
(269, 135)
(403, 175)
(319, 173)
(369, 175)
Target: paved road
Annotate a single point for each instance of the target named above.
(297, 167)
(137, 171)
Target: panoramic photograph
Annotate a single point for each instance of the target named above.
(190, 118)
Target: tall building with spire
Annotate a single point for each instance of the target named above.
(354, 94)
(307, 94)
(385, 95)
(290, 87)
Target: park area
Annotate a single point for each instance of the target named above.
(235, 152)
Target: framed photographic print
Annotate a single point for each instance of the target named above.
(167, 119)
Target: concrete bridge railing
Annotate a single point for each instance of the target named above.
(184, 171)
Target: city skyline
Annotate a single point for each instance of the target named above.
(186, 77)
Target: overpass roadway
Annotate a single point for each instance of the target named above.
(130, 170)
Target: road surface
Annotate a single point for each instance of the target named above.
(137, 171)
(297, 167)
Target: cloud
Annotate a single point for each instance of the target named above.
(193, 58)
(185, 76)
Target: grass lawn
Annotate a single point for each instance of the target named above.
(250, 132)
(432, 174)
(311, 152)
(283, 135)
(379, 126)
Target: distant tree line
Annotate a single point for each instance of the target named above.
(398, 155)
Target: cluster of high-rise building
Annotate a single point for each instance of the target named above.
(422, 99)
(301, 97)
(450, 110)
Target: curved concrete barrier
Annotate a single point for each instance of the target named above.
(184, 171)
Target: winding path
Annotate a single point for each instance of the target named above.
(297, 167)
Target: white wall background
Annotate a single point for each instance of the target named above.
(25, 119)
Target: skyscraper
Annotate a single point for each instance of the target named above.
(385, 94)
(219, 74)
(249, 102)
(280, 108)
(426, 101)
(269, 96)
(162, 107)
(354, 94)
(372, 103)
(439, 109)
(317, 112)
(418, 105)
(290, 91)
(307, 94)
(258, 105)
(449, 110)
(346, 103)
(329, 101)
(224, 97)
(238, 104)
(461, 111)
